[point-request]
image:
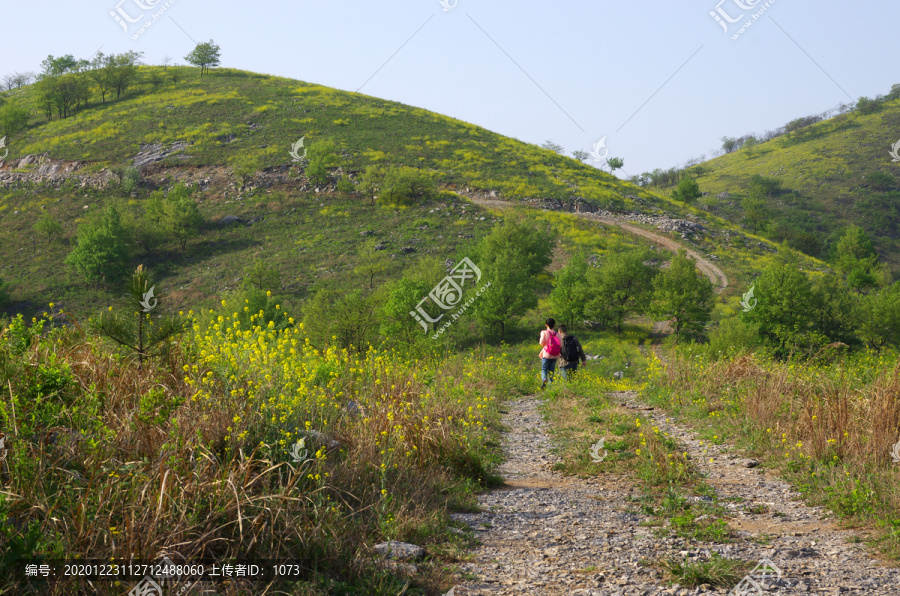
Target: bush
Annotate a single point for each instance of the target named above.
(732, 336)
(101, 253)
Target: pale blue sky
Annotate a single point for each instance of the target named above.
(661, 80)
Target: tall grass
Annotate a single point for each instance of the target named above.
(198, 457)
(830, 427)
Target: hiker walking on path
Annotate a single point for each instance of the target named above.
(550, 349)
(570, 352)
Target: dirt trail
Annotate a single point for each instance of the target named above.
(712, 271)
(547, 534)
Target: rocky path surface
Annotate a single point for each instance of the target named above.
(548, 534)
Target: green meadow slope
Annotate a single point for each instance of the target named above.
(821, 178)
(233, 119)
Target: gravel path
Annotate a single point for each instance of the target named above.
(548, 534)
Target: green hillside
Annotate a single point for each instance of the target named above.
(814, 181)
(230, 135)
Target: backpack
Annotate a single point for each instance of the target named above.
(569, 349)
(553, 345)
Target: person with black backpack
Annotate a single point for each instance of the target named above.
(550, 349)
(570, 352)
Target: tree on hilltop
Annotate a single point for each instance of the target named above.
(206, 54)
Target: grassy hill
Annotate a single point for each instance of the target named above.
(819, 179)
(234, 119)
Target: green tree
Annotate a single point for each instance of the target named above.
(622, 286)
(322, 156)
(101, 252)
(404, 186)
(370, 262)
(145, 223)
(262, 276)
(181, 215)
(615, 163)
(856, 259)
(511, 257)
(755, 207)
(49, 225)
(784, 308)
(204, 55)
(687, 190)
(570, 292)
(341, 318)
(13, 120)
(878, 316)
(371, 181)
(684, 296)
(134, 328)
(581, 155)
(834, 310)
(555, 147)
(402, 298)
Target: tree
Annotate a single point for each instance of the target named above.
(321, 156)
(370, 262)
(581, 155)
(101, 252)
(683, 295)
(855, 257)
(55, 67)
(570, 292)
(123, 71)
(687, 190)
(730, 144)
(614, 163)
(371, 181)
(47, 224)
(403, 296)
(511, 257)
(349, 318)
(867, 106)
(146, 223)
(181, 215)
(206, 54)
(262, 276)
(783, 310)
(134, 328)
(750, 144)
(878, 316)
(13, 119)
(551, 146)
(756, 211)
(621, 286)
(404, 186)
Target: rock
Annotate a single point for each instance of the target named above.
(320, 438)
(400, 551)
(367, 233)
(157, 152)
(407, 250)
(228, 220)
(380, 246)
(618, 374)
(749, 463)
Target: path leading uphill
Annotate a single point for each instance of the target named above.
(710, 269)
(548, 534)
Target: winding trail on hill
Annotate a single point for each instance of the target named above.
(710, 269)
(548, 534)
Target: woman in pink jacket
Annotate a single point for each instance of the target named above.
(550, 348)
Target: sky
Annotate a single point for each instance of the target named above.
(657, 83)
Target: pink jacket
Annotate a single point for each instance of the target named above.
(545, 339)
